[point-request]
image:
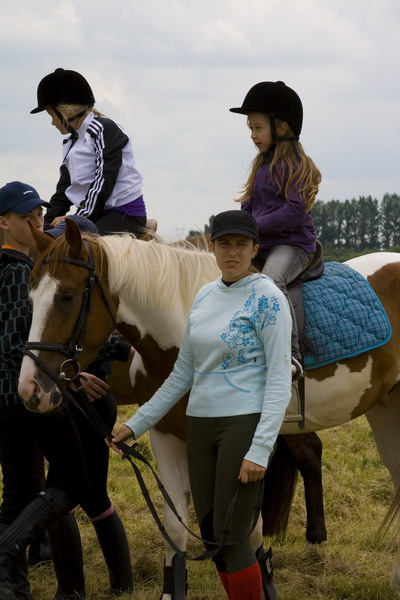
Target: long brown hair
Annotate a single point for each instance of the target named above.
(289, 166)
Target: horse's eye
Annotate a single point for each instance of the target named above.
(67, 297)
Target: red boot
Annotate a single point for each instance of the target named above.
(245, 584)
(224, 580)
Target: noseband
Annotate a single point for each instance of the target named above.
(74, 345)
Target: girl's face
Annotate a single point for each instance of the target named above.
(16, 229)
(260, 128)
(56, 121)
(233, 253)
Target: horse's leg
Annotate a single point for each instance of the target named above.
(279, 486)
(170, 454)
(306, 449)
(384, 421)
(385, 424)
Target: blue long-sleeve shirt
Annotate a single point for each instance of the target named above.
(235, 358)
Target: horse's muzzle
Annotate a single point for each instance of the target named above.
(37, 404)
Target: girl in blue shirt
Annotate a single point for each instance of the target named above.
(235, 359)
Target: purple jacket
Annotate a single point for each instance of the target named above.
(279, 221)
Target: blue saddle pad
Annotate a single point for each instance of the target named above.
(344, 316)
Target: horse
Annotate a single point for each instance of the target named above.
(147, 289)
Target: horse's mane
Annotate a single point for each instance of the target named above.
(150, 272)
(156, 273)
(52, 256)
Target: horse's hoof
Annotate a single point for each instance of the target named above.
(316, 551)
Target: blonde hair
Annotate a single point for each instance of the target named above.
(70, 110)
(290, 166)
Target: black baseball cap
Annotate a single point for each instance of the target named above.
(234, 221)
(19, 198)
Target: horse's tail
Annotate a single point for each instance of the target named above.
(279, 486)
(390, 526)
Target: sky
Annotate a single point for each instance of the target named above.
(169, 70)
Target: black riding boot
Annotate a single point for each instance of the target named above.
(40, 550)
(66, 546)
(264, 558)
(18, 574)
(114, 545)
(47, 506)
(175, 579)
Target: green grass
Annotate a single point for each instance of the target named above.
(353, 565)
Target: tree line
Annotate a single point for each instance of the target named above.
(352, 227)
(359, 225)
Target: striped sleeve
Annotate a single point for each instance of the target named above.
(109, 141)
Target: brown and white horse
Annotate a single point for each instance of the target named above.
(149, 287)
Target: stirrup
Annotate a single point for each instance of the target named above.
(297, 369)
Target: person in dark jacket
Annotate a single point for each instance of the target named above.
(24, 513)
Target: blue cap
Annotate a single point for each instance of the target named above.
(19, 198)
(85, 225)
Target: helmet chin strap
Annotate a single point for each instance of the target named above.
(66, 122)
(73, 131)
(80, 114)
(276, 138)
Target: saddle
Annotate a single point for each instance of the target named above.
(295, 291)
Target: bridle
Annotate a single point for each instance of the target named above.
(74, 345)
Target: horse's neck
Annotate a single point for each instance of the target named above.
(164, 327)
(158, 359)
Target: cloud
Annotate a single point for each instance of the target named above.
(168, 71)
(35, 26)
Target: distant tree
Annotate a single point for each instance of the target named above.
(367, 217)
(328, 219)
(207, 229)
(194, 233)
(352, 224)
(390, 220)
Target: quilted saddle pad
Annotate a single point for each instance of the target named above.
(344, 316)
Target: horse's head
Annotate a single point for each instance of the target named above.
(73, 315)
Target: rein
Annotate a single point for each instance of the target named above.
(72, 349)
(131, 454)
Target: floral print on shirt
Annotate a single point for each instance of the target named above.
(242, 338)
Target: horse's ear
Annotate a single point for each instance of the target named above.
(42, 240)
(73, 237)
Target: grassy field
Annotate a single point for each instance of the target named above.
(353, 565)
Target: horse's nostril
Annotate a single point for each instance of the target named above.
(55, 397)
(33, 402)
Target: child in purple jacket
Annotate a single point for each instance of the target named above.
(281, 188)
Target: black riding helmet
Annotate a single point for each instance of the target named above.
(63, 86)
(277, 100)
